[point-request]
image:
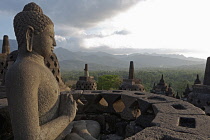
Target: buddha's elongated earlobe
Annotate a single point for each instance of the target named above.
(29, 38)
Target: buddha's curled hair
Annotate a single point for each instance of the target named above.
(32, 15)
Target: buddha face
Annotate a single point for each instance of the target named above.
(44, 42)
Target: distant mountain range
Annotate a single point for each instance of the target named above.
(104, 61)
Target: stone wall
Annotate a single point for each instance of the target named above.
(131, 113)
(138, 115)
(5, 125)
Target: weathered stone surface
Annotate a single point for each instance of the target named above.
(121, 128)
(161, 117)
(172, 115)
(200, 97)
(154, 99)
(158, 133)
(132, 110)
(3, 103)
(158, 110)
(194, 124)
(179, 107)
(111, 137)
(132, 129)
(145, 120)
(2, 95)
(5, 125)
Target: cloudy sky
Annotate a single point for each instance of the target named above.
(123, 26)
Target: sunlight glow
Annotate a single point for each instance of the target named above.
(160, 24)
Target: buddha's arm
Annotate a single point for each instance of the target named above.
(54, 128)
(23, 102)
(67, 115)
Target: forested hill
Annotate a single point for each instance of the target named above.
(104, 61)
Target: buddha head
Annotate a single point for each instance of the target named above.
(34, 31)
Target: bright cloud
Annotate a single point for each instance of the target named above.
(163, 24)
(60, 38)
(170, 26)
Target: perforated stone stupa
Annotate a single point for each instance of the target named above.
(200, 95)
(197, 80)
(86, 82)
(162, 88)
(52, 63)
(4, 64)
(187, 91)
(131, 83)
(3, 56)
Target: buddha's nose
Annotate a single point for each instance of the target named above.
(54, 42)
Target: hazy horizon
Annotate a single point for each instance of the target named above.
(116, 51)
(152, 26)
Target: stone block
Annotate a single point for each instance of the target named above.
(132, 129)
(179, 107)
(3, 103)
(158, 133)
(194, 124)
(121, 128)
(5, 124)
(2, 95)
(111, 137)
(145, 120)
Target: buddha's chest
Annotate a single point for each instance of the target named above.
(48, 92)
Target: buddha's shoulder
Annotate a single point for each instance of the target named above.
(27, 66)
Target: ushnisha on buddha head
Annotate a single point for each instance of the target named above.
(34, 31)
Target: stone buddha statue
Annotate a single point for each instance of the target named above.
(37, 109)
(51, 62)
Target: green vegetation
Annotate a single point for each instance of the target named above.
(108, 82)
(178, 78)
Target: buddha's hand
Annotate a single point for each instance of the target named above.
(68, 106)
